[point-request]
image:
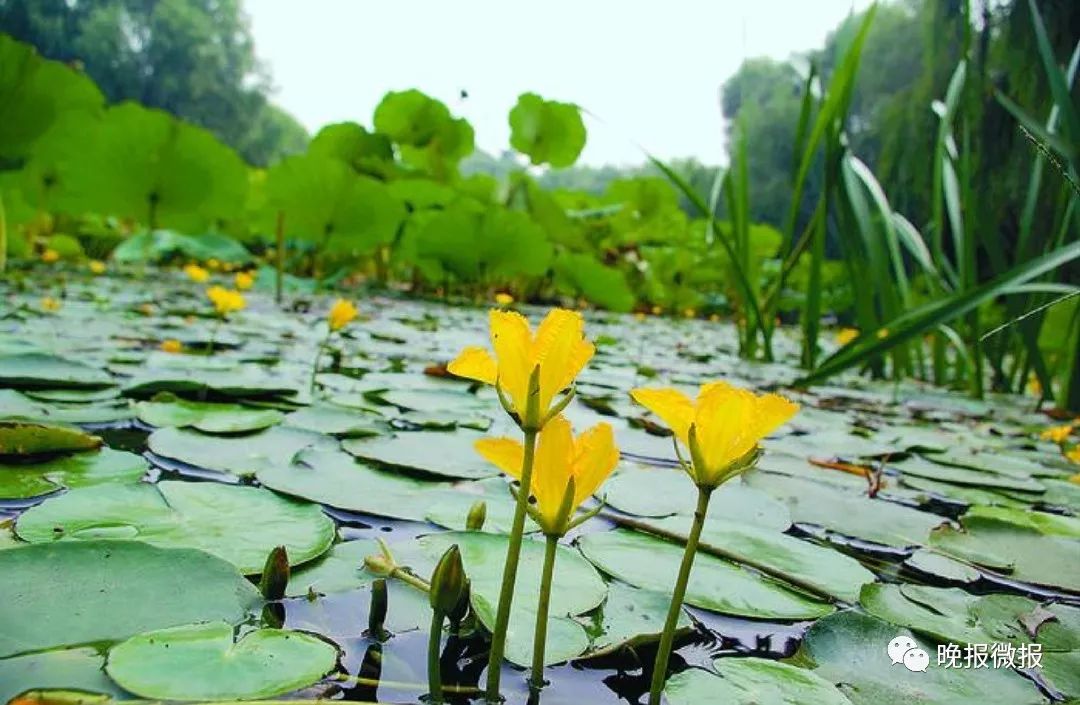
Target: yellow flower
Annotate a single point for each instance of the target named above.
(503, 299)
(213, 264)
(172, 346)
(882, 333)
(96, 266)
(689, 313)
(560, 458)
(846, 335)
(1034, 387)
(1057, 434)
(656, 310)
(639, 316)
(49, 256)
(722, 428)
(558, 352)
(146, 309)
(244, 280)
(714, 317)
(196, 273)
(341, 314)
(225, 300)
(50, 304)
(1074, 455)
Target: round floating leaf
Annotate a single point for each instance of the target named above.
(435, 453)
(942, 613)
(960, 475)
(202, 662)
(73, 593)
(942, 566)
(239, 524)
(27, 438)
(163, 411)
(339, 480)
(248, 381)
(849, 648)
(752, 681)
(566, 639)
(631, 616)
(336, 421)
(1062, 670)
(25, 480)
(237, 455)
(67, 669)
(651, 563)
(338, 570)
(41, 371)
(548, 131)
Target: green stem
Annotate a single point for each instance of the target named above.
(510, 568)
(315, 362)
(667, 639)
(434, 669)
(536, 681)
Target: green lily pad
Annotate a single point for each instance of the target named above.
(237, 455)
(450, 509)
(941, 613)
(752, 681)
(960, 475)
(340, 480)
(73, 593)
(1044, 523)
(338, 570)
(170, 411)
(202, 662)
(79, 396)
(239, 524)
(848, 513)
(26, 480)
(336, 421)
(69, 669)
(801, 563)
(942, 566)
(849, 648)
(652, 492)
(566, 639)
(1022, 553)
(41, 371)
(243, 381)
(715, 584)
(1062, 671)
(435, 401)
(631, 616)
(431, 452)
(27, 438)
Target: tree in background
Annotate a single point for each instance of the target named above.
(193, 58)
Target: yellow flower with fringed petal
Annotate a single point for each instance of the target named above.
(1057, 434)
(561, 460)
(225, 300)
(244, 280)
(50, 256)
(342, 313)
(196, 273)
(503, 299)
(557, 353)
(722, 427)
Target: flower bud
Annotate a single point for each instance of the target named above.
(449, 586)
(377, 611)
(275, 574)
(477, 514)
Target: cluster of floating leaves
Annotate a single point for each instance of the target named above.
(143, 486)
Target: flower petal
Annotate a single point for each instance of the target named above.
(723, 423)
(672, 406)
(562, 352)
(475, 363)
(551, 472)
(512, 342)
(596, 456)
(504, 453)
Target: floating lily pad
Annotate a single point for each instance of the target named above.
(1044, 523)
(1062, 671)
(203, 662)
(28, 438)
(338, 570)
(434, 453)
(25, 480)
(566, 639)
(67, 669)
(167, 411)
(239, 524)
(41, 371)
(243, 455)
(961, 475)
(631, 616)
(941, 613)
(715, 584)
(340, 480)
(72, 593)
(849, 648)
(243, 381)
(336, 421)
(752, 681)
(942, 566)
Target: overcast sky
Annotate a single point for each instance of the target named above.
(651, 69)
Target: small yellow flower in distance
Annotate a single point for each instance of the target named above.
(639, 316)
(846, 335)
(341, 314)
(558, 350)
(50, 304)
(244, 280)
(213, 264)
(196, 273)
(49, 256)
(172, 346)
(146, 309)
(503, 299)
(1034, 386)
(587, 460)
(225, 300)
(96, 266)
(883, 333)
(1074, 455)
(1057, 434)
(722, 427)
(714, 317)
(656, 310)
(689, 313)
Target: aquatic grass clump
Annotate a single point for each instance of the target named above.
(528, 371)
(722, 430)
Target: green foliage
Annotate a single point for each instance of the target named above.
(427, 135)
(584, 275)
(547, 131)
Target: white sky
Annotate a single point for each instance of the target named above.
(650, 69)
